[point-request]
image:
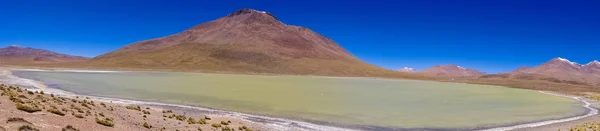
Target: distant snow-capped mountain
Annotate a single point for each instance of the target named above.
(406, 69)
(452, 71)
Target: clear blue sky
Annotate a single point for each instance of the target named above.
(488, 35)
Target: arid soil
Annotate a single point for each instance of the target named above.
(25, 109)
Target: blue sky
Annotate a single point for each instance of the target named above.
(488, 35)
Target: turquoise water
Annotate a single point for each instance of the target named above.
(354, 102)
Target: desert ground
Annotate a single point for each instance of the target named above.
(22, 109)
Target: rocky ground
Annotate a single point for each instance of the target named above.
(22, 109)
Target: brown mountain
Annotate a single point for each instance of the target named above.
(451, 71)
(592, 67)
(244, 41)
(557, 70)
(563, 69)
(27, 55)
(558, 67)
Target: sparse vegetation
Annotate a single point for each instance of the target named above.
(15, 99)
(26, 108)
(69, 128)
(191, 121)
(60, 106)
(22, 96)
(137, 108)
(17, 119)
(227, 128)
(85, 105)
(27, 128)
(106, 122)
(202, 121)
(592, 126)
(224, 123)
(78, 115)
(57, 112)
(146, 125)
(180, 117)
(216, 125)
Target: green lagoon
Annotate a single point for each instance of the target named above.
(369, 102)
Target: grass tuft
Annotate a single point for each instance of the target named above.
(224, 123)
(17, 119)
(26, 108)
(137, 108)
(57, 112)
(146, 125)
(106, 122)
(78, 115)
(180, 117)
(216, 125)
(69, 128)
(227, 128)
(27, 128)
(202, 121)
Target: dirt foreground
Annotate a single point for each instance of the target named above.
(22, 109)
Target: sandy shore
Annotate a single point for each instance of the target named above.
(128, 119)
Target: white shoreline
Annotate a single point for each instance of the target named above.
(277, 123)
(587, 105)
(60, 70)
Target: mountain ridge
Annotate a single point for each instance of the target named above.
(26, 55)
(558, 70)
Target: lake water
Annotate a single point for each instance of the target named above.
(355, 102)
